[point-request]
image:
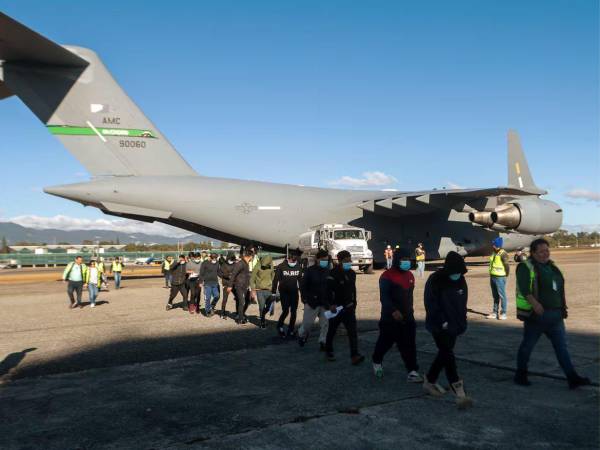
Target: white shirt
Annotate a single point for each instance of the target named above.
(93, 275)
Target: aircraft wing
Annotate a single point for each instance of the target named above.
(408, 203)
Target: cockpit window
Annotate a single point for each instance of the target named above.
(348, 234)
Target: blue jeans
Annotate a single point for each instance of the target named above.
(117, 276)
(552, 325)
(168, 278)
(93, 292)
(498, 285)
(211, 293)
(421, 268)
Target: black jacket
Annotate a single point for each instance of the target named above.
(209, 272)
(178, 273)
(341, 287)
(396, 288)
(225, 271)
(313, 286)
(240, 275)
(446, 301)
(287, 278)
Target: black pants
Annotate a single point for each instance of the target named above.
(445, 359)
(195, 291)
(348, 317)
(225, 298)
(289, 305)
(74, 287)
(175, 289)
(242, 300)
(403, 334)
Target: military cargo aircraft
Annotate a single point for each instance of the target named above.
(70, 90)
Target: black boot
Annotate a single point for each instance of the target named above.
(577, 381)
(521, 378)
(263, 324)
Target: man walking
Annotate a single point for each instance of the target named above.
(542, 306)
(388, 254)
(209, 276)
(313, 287)
(499, 270)
(166, 270)
(102, 269)
(178, 282)
(93, 279)
(261, 282)
(240, 283)
(116, 269)
(420, 258)
(192, 268)
(341, 295)
(287, 281)
(225, 271)
(397, 324)
(74, 275)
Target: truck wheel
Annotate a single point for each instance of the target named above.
(368, 269)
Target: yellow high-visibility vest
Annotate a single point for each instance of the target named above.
(167, 265)
(116, 266)
(496, 265)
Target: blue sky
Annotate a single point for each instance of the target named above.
(415, 94)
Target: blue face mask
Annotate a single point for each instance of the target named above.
(323, 263)
(454, 276)
(347, 266)
(405, 265)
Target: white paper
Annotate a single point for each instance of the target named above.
(331, 315)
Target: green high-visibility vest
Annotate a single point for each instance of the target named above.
(496, 266)
(524, 308)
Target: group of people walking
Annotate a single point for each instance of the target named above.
(93, 276)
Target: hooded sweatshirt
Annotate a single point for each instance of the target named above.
(263, 274)
(446, 300)
(396, 294)
(225, 270)
(209, 272)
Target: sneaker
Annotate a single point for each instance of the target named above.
(463, 401)
(578, 381)
(433, 389)
(357, 359)
(169, 307)
(378, 370)
(281, 332)
(322, 347)
(223, 315)
(330, 357)
(262, 324)
(210, 313)
(492, 316)
(291, 334)
(414, 377)
(93, 305)
(502, 316)
(302, 341)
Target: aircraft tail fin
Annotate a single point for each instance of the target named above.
(518, 170)
(73, 94)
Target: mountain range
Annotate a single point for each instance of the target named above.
(16, 233)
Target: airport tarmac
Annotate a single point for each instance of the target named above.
(128, 374)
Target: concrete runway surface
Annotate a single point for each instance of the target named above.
(128, 374)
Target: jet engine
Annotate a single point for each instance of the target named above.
(525, 215)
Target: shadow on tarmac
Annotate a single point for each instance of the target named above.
(13, 360)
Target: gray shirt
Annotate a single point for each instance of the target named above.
(194, 267)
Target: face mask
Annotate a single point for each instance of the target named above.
(454, 276)
(323, 264)
(347, 266)
(292, 263)
(213, 261)
(231, 261)
(405, 265)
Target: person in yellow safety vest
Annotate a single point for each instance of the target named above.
(102, 270)
(541, 304)
(420, 257)
(166, 270)
(499, 270)
(93, 278)
(74, 275)
(117, 268)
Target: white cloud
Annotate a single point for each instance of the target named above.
(72, 223)
(584, 194)
(369, 179)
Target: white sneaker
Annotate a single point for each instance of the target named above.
(414, 377)
(93, 305)
(502, 316)
(433, 389)
(492, 316)
(378, 370)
